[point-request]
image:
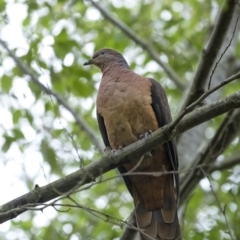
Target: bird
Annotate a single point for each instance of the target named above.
(130, 106)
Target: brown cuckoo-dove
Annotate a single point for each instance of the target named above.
(128, 106)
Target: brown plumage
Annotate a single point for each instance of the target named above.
(129, 105)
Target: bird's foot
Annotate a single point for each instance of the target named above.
(120, 148)
(109, 150)
(148, 155)
(114, 150)
(145, 135)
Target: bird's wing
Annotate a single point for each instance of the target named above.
(163, 114)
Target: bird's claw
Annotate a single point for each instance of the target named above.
(109, 150)
(145, 135)
(148, 155)
(113, 151)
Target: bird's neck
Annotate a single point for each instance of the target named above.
(115, 67)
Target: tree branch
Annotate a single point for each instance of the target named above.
(204, 96)
(226, 164)
(222, 209)
(129, 233)
(223, 53)
(134, 151)
(79, 120)
(209, 55)
(228, 130)
(141, 42)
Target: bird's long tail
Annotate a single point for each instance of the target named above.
(162, 223)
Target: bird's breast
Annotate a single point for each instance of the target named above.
(125, 105)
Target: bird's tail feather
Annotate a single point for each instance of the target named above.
(161, 224)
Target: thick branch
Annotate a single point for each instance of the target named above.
(210, 54)
(141, 42)
(134, 151)
(80, 121)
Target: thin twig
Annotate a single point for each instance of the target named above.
(184, 213)
(227, 163)
(205, 95)
(102, 216)
(141, 42)
(129, 232)
(81, 123)
(68, 133)
(223, 210)
(220, 58)
(111, 219)
(210, 54)
(136, 166)
(207, 156)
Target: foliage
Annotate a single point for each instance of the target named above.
(41, 141)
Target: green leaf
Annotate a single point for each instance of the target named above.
(16, 116)
(48, 154)
(29, 117)
(8, 141)
(6, 83)
(18, 134)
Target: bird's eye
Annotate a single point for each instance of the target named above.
(102, 53)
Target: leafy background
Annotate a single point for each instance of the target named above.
(41, 141)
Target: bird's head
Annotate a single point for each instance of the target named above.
(105, 57)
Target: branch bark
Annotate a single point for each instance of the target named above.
(210, 54)
(204, 96)
(68, 184)
(191, 140)
(228, 130)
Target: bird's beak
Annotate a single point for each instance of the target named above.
(89, 62)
